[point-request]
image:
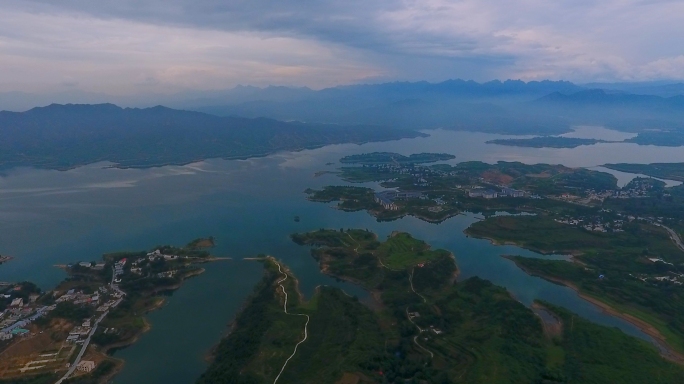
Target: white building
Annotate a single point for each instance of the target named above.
(86, 366)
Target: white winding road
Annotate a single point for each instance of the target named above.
(420, 330)
(306, 335)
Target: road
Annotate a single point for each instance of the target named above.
(674, 236)
(306, 335)
(420, 330)
(73, 366)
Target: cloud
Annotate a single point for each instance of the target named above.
(179, 44)
(115, 55)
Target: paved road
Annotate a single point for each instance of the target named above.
(73, 366)
(674, 236)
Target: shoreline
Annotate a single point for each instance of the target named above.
(496, 242)
(666, 351)
(181, 163)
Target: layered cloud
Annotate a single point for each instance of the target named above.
(128, 46)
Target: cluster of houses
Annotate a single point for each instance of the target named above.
(595, 224)
(15, 319)
(78, 334)
(78, 297)
(492, 194)
(387, 198)
(603, 224)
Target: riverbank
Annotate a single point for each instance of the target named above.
(666, 350)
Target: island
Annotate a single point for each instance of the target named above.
(420, 325)
(64, 335)
(547, 142)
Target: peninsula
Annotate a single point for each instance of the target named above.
(378, 158)
(547, 142)
(64, 335)
(422, 326)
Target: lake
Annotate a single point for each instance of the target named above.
(54, 217)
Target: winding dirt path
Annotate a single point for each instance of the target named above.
(306, 335)
(420, 330)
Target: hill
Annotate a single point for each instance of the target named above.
(424, 327)
(66, 136)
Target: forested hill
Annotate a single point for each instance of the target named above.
(65, 136)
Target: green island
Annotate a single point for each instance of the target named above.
(421, 326)
(438, 192)
(395, 158)
(670, 171)
(547, 142)
(66, 333)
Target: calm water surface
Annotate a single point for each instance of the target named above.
(52, 217)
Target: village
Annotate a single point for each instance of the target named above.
(416, 182)
(28, 315)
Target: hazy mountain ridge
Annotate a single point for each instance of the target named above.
(508, 107)
(65, 136)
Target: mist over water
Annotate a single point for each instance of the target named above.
(54, 217)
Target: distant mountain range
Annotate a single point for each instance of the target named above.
(506, 107)
(619, 110)
(65, 136)
(601, 99)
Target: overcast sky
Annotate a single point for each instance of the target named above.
(125, 46)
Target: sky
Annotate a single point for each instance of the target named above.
(165, 46)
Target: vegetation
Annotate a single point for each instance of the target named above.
(622, 258)
(202, 242)
(395, 158)
(595, 354)
(47, 378)
(350, 198)
(357, 254)
(103, 369)
(342, 334)
(66, 136)
(546, 142)
(72, 312)
(425, 328)
(673, 138)
(670, 171)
